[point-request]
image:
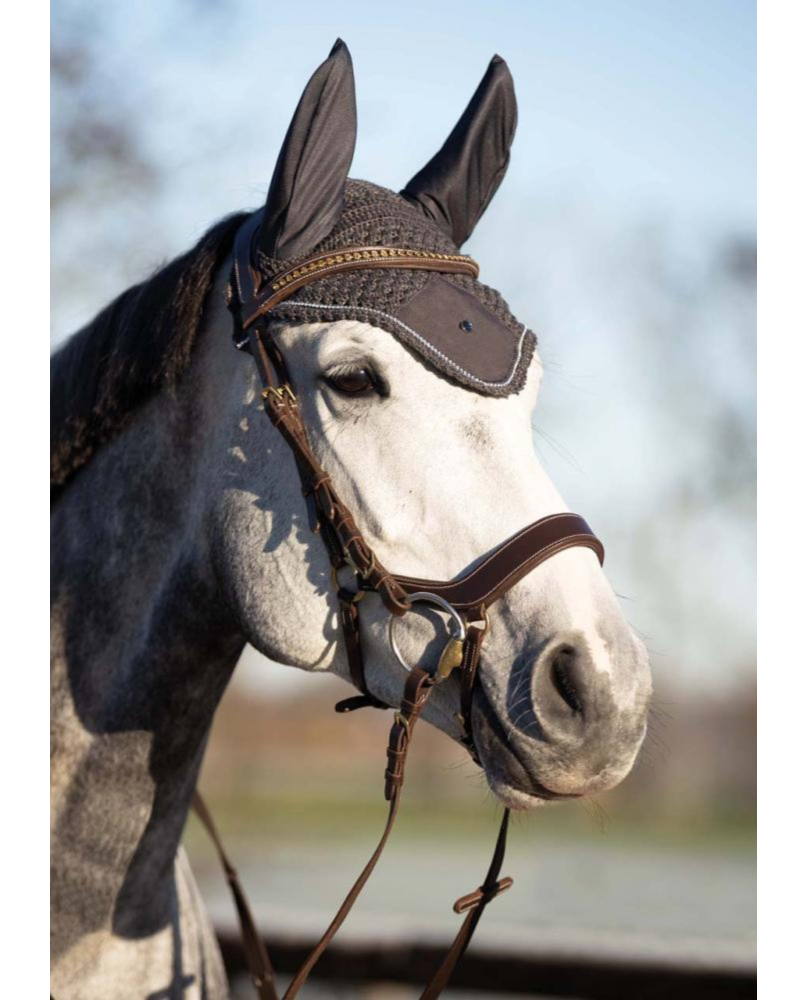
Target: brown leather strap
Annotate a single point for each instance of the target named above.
(255, 951)
(305, 970)
(343, 538)
(472, 646)
(256, 301)
(473, 906)
(352, 641)
(509, 562)
(417, 689)
(349, 617)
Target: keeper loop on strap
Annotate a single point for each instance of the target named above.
(482, 895)
(315, 484)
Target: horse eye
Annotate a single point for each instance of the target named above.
(352, 383)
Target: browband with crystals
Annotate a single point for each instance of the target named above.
(255, 301)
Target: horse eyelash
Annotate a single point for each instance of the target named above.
(380, 384)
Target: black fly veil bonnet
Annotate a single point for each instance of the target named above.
(460, 326)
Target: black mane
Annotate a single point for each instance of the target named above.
(139, 344)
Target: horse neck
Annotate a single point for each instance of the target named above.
(143, 649)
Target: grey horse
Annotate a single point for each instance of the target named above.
(179, 535)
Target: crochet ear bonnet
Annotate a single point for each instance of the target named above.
(462, 328)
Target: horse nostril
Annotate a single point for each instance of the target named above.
(561, 674)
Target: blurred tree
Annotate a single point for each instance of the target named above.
(100, 165)
(90, 135)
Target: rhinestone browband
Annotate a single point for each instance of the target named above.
(282, 285)
(391, 256)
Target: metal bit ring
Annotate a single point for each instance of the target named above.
(427, 598)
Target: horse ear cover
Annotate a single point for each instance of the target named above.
(457, 184)
(307, 191)
(459, 326)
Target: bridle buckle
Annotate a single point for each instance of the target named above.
(280, 392)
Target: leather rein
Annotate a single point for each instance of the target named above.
(466, 599)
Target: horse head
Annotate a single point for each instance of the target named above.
(416, 391)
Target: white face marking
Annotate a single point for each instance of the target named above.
(436, 476)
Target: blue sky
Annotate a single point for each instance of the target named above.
(646, 105)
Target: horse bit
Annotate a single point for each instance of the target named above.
(465, 599)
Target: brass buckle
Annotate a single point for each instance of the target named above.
(279, 391)
(402, 720)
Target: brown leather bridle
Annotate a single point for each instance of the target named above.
(468, 597)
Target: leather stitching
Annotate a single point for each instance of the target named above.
(495, 554)
(569, 541)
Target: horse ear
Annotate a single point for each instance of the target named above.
(457, 184)
(308, 186)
